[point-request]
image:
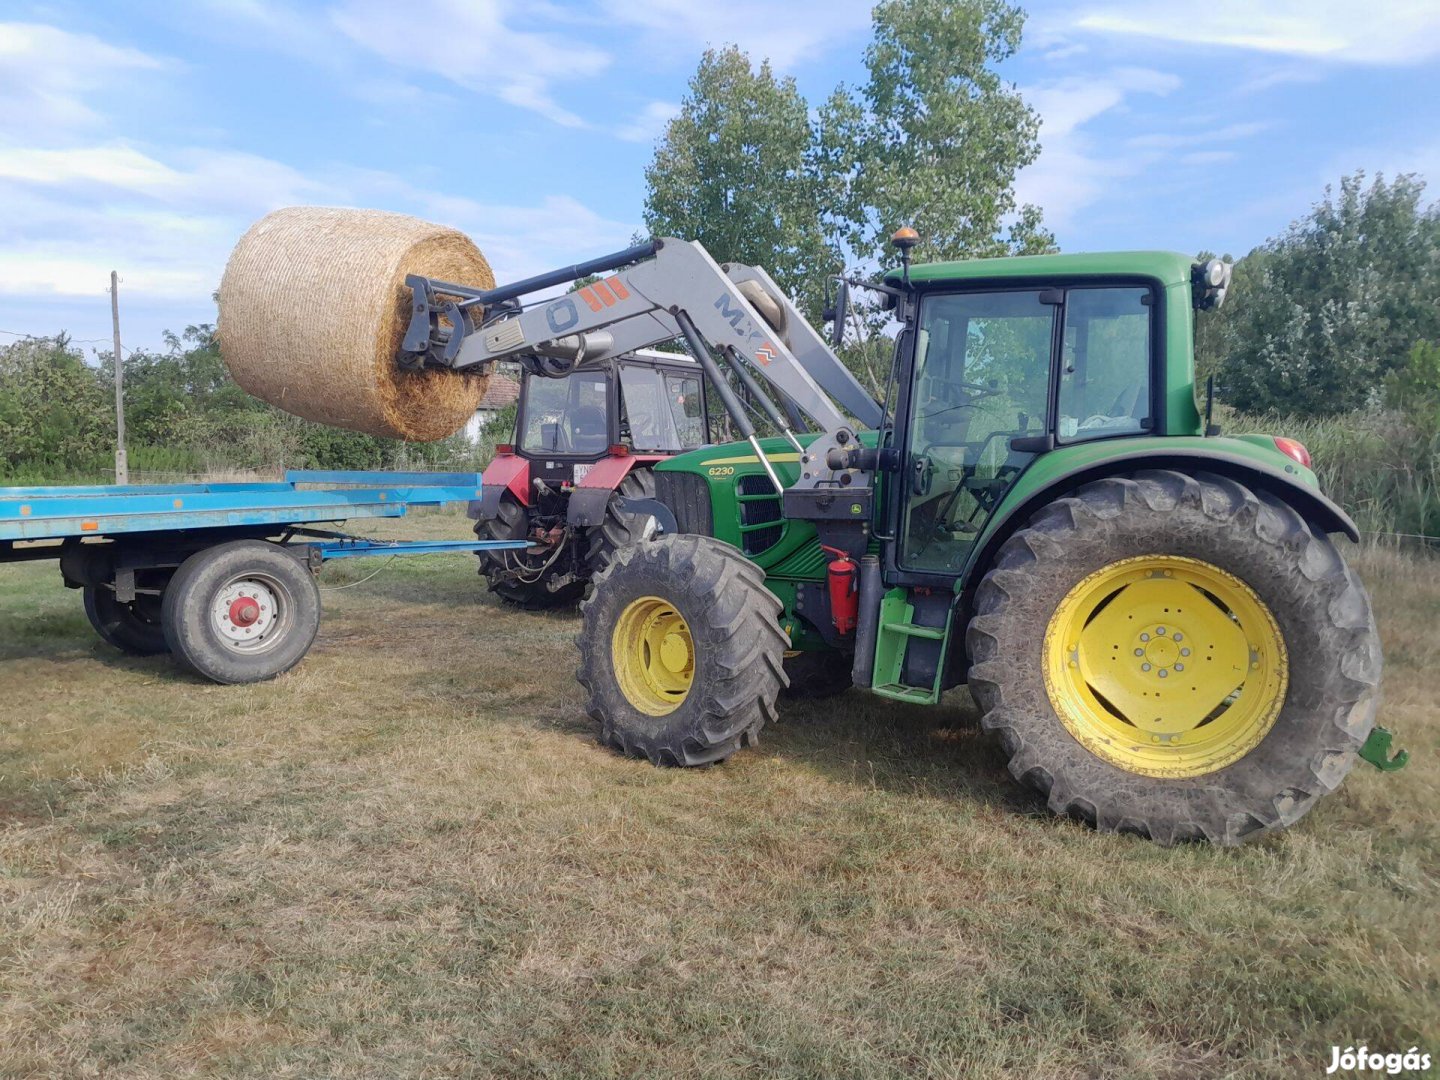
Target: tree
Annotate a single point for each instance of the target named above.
(731, 172)
(54, 411)
(1321, 314)
(934, 138)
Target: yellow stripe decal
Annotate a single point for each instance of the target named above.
(751, 459)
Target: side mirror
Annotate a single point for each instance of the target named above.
(838, 313)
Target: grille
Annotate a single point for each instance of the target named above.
(759, 512)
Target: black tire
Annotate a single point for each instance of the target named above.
(738, 649)
(1319, 606)
(513, 523)
(817, 675)
(212, 642)
(619, 528)
(133, 627)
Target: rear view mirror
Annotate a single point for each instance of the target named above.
(837, 311)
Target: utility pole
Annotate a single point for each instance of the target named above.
(122, 464)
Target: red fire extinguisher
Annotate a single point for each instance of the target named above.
(843, 577)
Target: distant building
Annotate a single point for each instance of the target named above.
(502, 391)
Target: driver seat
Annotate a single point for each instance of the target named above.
(588, 430)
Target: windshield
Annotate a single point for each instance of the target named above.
(664, 409)
(567, 415)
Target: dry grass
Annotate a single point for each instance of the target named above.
(409, 857)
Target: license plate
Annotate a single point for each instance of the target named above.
(581, 470)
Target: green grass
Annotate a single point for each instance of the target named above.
(409, 857)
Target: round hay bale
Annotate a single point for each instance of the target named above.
(313, 307)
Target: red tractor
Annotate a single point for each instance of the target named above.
(583, 443)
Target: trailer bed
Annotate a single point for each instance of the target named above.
(57, 513)
(221, 575)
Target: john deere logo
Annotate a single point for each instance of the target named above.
(856, 508)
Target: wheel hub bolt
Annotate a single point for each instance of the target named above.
(244, 611)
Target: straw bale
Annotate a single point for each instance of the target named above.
(313, 307)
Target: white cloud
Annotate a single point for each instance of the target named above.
(47, 73)
(1208, 157)
(1388, 32)
(479, 49)
(1071, 172)
(167, 221)
(785, 33)
(650, 123)
(1172, 140)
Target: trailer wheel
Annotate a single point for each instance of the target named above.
(241, 612)
(133, 627)
(681, 651)
(512, 523)
(1175, 656)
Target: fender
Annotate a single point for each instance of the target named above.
(1312, 505)
(590, 497)
(507, 472)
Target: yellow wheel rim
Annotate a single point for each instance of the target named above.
(654, 655)
(1165, 666)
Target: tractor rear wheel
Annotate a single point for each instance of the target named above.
(620, 527)
(1176, 656)
(511, 522)
(681, 652)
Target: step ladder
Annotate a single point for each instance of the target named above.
(896, 633)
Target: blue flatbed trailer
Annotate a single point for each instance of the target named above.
(222, 575)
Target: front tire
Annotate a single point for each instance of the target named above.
(1175, 656)
(681, 651)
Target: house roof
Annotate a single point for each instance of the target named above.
(502, 391)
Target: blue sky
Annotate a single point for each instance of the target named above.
(146, 136)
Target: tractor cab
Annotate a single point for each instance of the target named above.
(647, 402)
(1001, 373)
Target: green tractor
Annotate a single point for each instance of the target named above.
(1151, 616)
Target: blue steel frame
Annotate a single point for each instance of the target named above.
(161, 510)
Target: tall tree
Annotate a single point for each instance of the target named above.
(935, 136)
(730, 171)
(1321, 314)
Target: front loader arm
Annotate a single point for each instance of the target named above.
(637, 307)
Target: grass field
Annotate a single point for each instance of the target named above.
(410, 858)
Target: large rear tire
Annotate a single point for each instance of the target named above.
(511, 522)
(620, 527)
(1175, 656)
(681, 651)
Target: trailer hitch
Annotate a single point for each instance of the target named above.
(1377, 751)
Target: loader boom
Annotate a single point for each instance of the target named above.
(636, 307)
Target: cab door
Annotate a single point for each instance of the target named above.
(998, 377)
(978, 411)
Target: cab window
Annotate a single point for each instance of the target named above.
(567, 415)
(1105, 366)
(664, 410)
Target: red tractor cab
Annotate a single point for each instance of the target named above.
(582, 443)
